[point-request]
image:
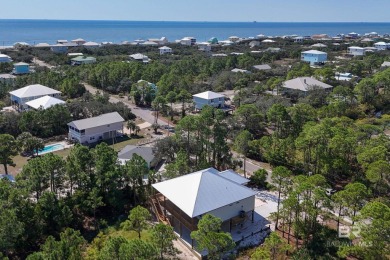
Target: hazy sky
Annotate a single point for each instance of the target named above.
(200, 10)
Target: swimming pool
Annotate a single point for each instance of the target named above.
(51, 148)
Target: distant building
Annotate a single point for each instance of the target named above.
(213, 40)
(314, 57)
(209, 98)
(262, 67)
(319, 45)
(273, 50)
(91, 45)
(253, 44)
(79, 41)
(304, 84)
(59, 48)
(234, 38)
(5, 58)
(165, 50)
(62, 41)
(356, 51)
(127, 153)
(7, 78)
(18, 45)
(80, 60)
(188, 41)
(139, 57)
(42, 45)
(235, 70)
(21, 96)
(298, 39)
(268, 41)
(21, 68)
(385, 64)
(381, 46)
(162, 40)
(94, 129)
(343, 76)
(321, 37)
(204, 46)
(353, 35)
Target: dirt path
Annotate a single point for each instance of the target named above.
(42, 63)
(185, 252)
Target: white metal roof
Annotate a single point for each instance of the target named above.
(240, 70)
(34, 91)
(305, 84)
(314, 52)
(356, 48)
(262, 67)
(138, 56)
(104, 119)
(91, 44)
(208, 95)
(320, 45)
(165, 48)
(7, 76)
(233, 176)
(44, 102)
(203, 191)
(20, 64)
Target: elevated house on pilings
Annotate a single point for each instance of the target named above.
(181, 202)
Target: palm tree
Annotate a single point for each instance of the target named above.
(131, 126)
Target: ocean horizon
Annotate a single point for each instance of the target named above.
(117, 31)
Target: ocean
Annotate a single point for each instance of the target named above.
(37, 31)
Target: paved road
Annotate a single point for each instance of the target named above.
(251, 166)
(144, 113)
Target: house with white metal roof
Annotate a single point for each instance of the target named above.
(44, 102)
(304, 84)
(165, 50)
(91, 45)
(5, 58)
(356, 51)
(314, 57)
(21, 96)
(182, 201)
(139, 57)
(78, 41)
(209, 98)
(381, 46)
(94, 129)
(236, 70)
(262, 67)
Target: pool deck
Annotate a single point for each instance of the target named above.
(65, 145)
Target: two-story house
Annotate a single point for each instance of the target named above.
(209, 98)
(314, 57)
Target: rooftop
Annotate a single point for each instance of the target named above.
(262, 67)
(203, 191)
(128, 151)
(104, 119)
(33, 91)
(44, 102)
(208, 95)
(314, 52)
(305, 84)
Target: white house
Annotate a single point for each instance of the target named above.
(304, 84)
(188, 41)
(139, 57)
(94, 129)
(314, 57)
(182, 201)
(21, 96)
(204, 46)
(145, 152)
(356, 51)
(262, 67)
(5, 58)
(44, 102)
(381, 46)
(209, 98)
(236, 70)
(165, 50)
(42, 45)
(234, 38)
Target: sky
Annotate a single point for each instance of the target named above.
(200, 10)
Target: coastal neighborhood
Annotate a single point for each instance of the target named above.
(196, 147)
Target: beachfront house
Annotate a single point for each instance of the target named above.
(44, 102)
(303, 85)
(21, 96)
(21, 68)
(213, 40)
(314, 57)
(181, 202)
(234, 38)
(209, 98)
(127, 153)
(5, 58)
(94, 129)
(188, 41)
(165, 50)
(78, 41)
(356, 51)
(81, 60)
(382, 46)
(59, 48)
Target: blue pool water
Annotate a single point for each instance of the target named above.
(51, 148)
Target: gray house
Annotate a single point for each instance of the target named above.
(145, 152)
(91, 130)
